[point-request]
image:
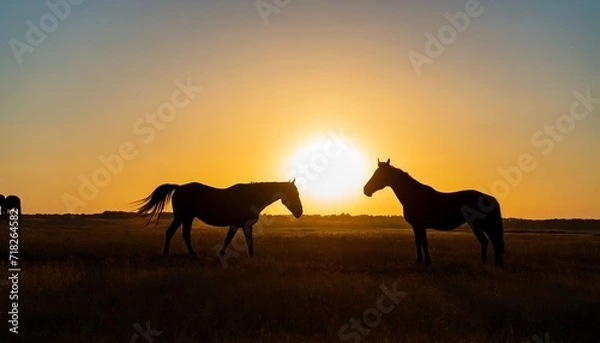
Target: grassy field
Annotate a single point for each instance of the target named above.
(91, 279)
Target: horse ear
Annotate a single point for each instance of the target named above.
(378, 161)
(294, 181)
(388, 161)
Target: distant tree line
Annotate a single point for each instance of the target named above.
(347, 220)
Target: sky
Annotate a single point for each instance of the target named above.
(101, 102)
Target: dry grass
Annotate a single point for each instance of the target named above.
(90, 280)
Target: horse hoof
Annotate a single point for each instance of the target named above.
(427, 262)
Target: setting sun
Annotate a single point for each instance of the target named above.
(328, 168)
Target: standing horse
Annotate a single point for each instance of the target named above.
(424, 208)
(237, 207)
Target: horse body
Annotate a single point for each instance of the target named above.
(12, 201)
(425, 207)
(439, 210)
(238, 206)
(220, 206)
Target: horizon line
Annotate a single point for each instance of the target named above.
(286, 215)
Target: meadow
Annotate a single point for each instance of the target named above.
(103, 278)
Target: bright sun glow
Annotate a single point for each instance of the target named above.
(328, 168)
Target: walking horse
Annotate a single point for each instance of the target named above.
(238, 206)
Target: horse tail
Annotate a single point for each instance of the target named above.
(155, 202)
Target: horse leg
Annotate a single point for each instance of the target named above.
(232, 231)
(483, 240)
(423, 234)
(187, 233)
(421, 242)
(498, 244)
(418, 244)
(169, 234)
(248, 235)
(498, 254)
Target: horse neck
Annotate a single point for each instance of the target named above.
(405, 187)
(268, 194)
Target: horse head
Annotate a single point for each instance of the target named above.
(380, 179)
(291, 198)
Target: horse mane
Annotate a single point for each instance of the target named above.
(411, 180)
(266, 185)
(262, 183)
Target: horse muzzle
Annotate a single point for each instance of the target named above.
(297, 214)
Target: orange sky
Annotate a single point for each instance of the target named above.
(270, 90)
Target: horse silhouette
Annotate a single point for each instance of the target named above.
(238, 206)
(424, 208)
(8, 203)
(2, 200)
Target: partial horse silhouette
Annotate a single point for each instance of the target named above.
(10, 202)
(238, 206)
(2, 199)
(424, 208)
